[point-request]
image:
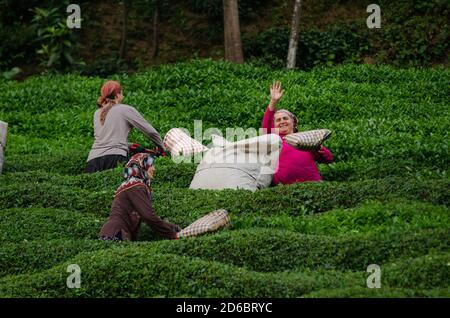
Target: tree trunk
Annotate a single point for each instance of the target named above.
(3, 131)
(156, 13)
(232, 32)
(293, 40)
(126, 4)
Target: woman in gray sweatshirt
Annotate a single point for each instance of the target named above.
(113, 122)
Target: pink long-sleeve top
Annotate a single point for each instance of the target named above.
(295, 165)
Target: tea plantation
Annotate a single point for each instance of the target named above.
(384, 201)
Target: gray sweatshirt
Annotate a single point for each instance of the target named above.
(112, 137)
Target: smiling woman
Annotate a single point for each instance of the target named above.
(293, 165)
(285, 122)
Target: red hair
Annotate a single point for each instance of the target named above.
(108, 93)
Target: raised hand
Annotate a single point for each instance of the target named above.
(275, 91)
(275, 94)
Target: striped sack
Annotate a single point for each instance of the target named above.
(208, 223)
(180, 144)
(308, 140)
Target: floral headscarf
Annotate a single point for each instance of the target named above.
(135, 172)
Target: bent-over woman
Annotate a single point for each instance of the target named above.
(113, 122)
(132, 204)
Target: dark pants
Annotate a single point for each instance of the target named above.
(105, 163)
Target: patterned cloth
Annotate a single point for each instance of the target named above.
(135, 172)
(208, 223)
(308, 140)
(180, 144)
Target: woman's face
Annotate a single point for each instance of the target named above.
(151, 172)
(119, 97)
(283, 123)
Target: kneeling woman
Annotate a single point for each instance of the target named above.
(132, 204)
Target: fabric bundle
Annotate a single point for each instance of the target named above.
(208, 223)
(247, 164)
(308, 140)
(178, 143)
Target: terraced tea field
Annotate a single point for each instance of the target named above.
(384, 201)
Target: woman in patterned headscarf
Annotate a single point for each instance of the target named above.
(133, 204)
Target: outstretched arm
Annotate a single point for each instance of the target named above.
(267, 122)
(139, 197)
(275, 95)
(136, 120)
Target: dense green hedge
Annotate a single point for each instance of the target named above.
(281, 250)
(165, 275)
(425, 276)
(385, 122)
(385, 292)
(425, 272)
(320, 96)
(46, 224)
(36, 255)
(153, 275)
(180, 175)
(278, 249)
(371, 217)
(185, 205)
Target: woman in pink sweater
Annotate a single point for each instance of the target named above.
(294, 165)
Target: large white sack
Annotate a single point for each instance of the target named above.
(246, 164)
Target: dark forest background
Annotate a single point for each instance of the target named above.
(34, 36)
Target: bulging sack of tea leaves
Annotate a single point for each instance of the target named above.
(308, 140)
(208, 223)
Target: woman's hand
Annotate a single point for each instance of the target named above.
(321, 150)
(275, 95)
